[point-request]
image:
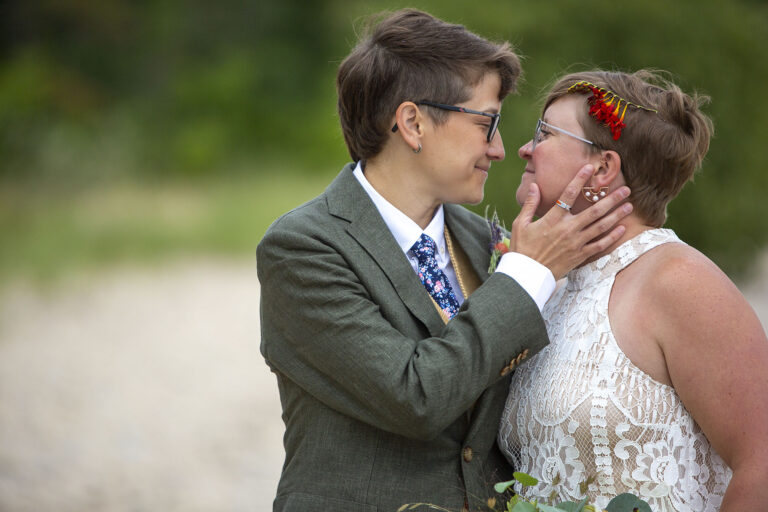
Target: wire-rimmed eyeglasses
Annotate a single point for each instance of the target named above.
(537, 134)
(453, 108)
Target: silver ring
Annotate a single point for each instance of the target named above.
(563, 205)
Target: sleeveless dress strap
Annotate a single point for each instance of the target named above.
(609, 265)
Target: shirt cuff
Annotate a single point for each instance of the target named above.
(536, 279)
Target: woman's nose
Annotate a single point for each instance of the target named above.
(525, 150)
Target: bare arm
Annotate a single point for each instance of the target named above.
(717, 355)
(561, 241)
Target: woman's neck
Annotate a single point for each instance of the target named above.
(399, 185)
(634, 226)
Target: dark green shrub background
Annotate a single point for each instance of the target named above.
(199, 92)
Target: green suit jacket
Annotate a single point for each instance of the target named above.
(383, 403)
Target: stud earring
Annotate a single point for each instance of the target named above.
(593, 196)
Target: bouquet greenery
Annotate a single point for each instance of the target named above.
(622, 503)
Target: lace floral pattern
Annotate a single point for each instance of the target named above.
(581, 409)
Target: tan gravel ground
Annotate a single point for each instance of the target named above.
(144, 390)
(138, 390)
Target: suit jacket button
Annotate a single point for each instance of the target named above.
(467, 454)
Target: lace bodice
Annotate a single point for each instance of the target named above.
(581, 409)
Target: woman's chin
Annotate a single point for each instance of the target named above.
(526, 180)
(521, 194)
(477, 199)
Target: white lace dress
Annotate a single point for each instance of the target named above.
(580, 408)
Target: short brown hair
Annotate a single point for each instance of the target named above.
(659, 151)
(412, 56)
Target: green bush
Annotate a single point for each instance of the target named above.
(96, 91)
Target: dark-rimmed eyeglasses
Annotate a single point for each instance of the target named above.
(453, 108)
(537, 134)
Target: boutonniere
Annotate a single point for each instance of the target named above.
(499, 239)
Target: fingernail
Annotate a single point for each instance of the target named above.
(627, 208)
(531, 191)
(624, 191)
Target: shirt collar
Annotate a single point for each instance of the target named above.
(405, 230)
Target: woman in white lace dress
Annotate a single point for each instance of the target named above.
(656, 378)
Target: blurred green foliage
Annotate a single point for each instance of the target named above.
(98, 92)
(53, 234)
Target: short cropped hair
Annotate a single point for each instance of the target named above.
(660, 151)
(411, 56)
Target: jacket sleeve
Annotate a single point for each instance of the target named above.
(321, 329)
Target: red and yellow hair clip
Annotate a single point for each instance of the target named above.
(604, 105)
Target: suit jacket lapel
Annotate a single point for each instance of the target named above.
(473, 237)
(347, 199)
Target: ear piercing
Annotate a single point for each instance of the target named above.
(593, 196)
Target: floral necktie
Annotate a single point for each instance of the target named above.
(434, 279)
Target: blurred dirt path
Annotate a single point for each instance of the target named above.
(144, 390)
(138, 390)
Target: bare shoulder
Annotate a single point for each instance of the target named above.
(676, 272)
(687, 293)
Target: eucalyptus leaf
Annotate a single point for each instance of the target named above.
(503, 486)
(524, 506)
(514, 500)
(525, 479)
(549, 508)
(627, 503)
(572, 506)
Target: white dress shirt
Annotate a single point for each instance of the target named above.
(533, 277)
